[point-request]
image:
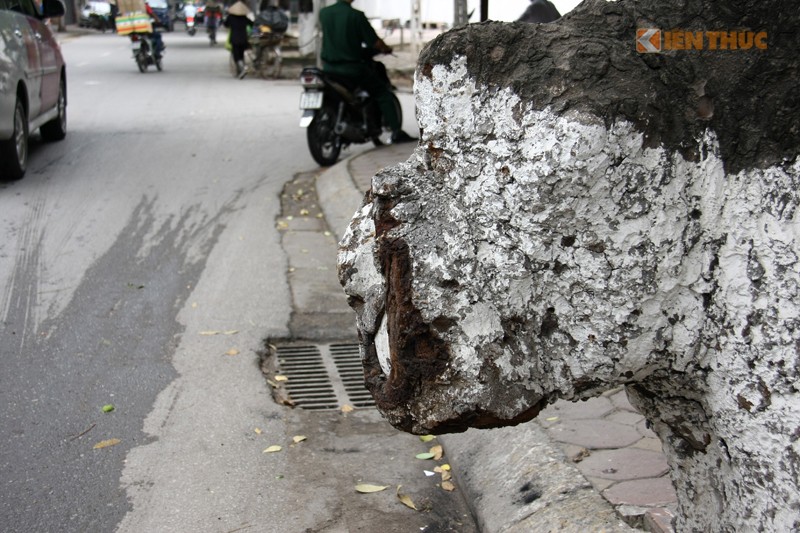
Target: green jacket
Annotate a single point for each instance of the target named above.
(343, 31)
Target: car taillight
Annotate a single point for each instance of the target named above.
(311, 81)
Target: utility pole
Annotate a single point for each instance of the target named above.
(460, 17)
(416, 27)
(484, 10)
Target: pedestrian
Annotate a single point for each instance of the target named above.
(239, 21)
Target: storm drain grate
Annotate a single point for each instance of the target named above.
(323, 376)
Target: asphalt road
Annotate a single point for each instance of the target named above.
(150, 227)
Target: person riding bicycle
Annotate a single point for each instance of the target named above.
(345, 33)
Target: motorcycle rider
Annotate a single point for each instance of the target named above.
(345, 32)
(158, 42)
(212, 15)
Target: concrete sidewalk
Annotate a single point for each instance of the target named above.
(587, 466)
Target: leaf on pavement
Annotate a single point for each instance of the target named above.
(405, 499)
(424, 456)
(272, 449)
(299, 438)
(426, 438)
(231, 332)
(107, 408)
(366, 488)
(258, 431)
(232, 351)
(347, 409)
(106, 443)
(280, 378)
(448, 486)
(437, 452)
(209, 333)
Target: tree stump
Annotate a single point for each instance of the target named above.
(581, 214)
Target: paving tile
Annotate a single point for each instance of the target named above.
(624, 464)
(629, 418)
(645, 492)
(644, 431)
(650, 443)
(587, 409)
(595, 434)
(659, 520)
(600, 483)
(620, 400)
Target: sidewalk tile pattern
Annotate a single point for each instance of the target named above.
(610, 443)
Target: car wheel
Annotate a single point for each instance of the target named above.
(14, 151)
(56, 129)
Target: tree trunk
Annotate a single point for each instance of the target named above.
(579, 216)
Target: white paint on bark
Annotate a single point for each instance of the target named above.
(569, 257)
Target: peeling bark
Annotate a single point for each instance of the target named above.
(579, 216)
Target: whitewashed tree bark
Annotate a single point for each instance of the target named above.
(579, 216)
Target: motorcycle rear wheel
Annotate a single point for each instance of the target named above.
(324, 145)
(141, 62)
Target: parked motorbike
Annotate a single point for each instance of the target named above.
(189, 12)
(144, 51)
(337, 113)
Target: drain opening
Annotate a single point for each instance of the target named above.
(323, 376)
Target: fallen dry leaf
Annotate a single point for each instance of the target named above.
(299, 438)
(258, 431)
(231, 332)
(209, 333)
(272, 449)
(405, 499)
(347, 409)
(366, 488)
(106, 443)
(232, 351)
(448, 486)
(437, 452)
(426, 438)
(280, 378)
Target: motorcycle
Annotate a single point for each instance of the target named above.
(189, 13)
(144, 52)
(337, 113)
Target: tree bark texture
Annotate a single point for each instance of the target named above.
(579, 216)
